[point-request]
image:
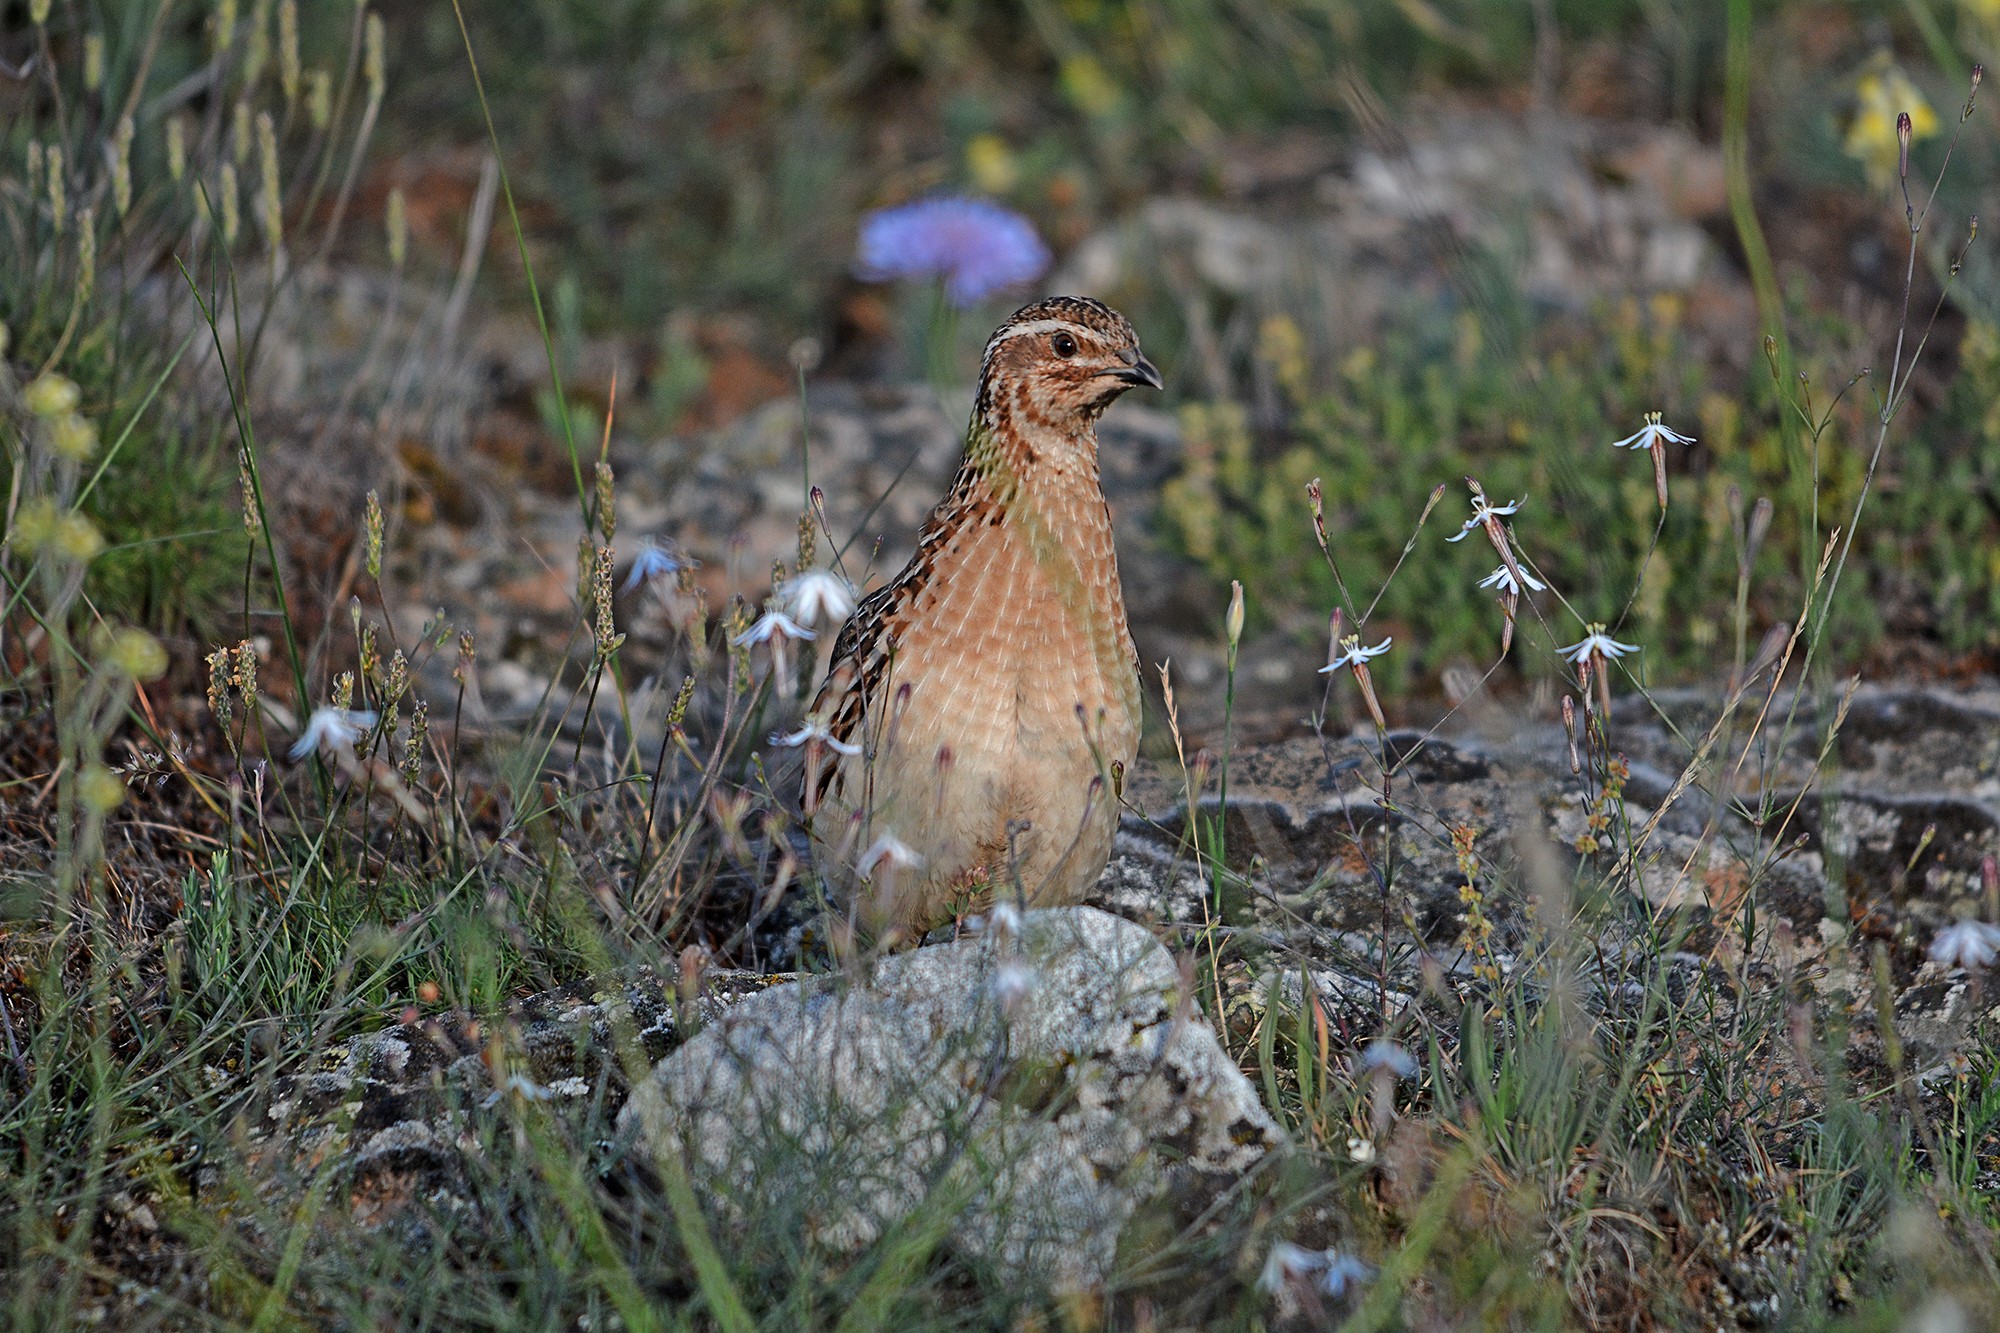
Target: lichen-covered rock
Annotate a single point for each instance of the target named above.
(1040, 1111)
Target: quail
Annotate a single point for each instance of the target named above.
(978, 707)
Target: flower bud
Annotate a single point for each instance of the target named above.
(51, 395)
(93, 61)
(38, 12)
(1904, 132)
(35, 525)
(1232, 623)
(137, 654)
(76, 539)
(100, 790)
(71, 437)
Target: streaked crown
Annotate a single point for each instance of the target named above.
(1058, 363)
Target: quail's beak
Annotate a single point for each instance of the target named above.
(1138, 374)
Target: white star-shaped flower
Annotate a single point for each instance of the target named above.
(1967, 944)
(1285, 1262)
(1343, 1271)
(656, 560)
(774, 623)
(892, 849)
(1005, 917)
(815, 730)
(1390, 1056)
(1482, 512)
(1503, 579)
(1651, 434)
(1596, 644)
(332, 729)
(816, 595)
(1335, 1271)
(1012, 981)
(1352, 654)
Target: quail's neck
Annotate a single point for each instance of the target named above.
(1049, 467)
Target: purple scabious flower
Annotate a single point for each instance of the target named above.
(977, 247)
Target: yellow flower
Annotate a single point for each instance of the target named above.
(992, 164)
(1090, 87)
(1884, 93)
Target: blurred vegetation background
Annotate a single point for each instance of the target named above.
(690, 177)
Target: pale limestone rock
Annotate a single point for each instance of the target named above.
(1041, 1131)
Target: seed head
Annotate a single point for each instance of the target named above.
(272, 206)
(397, 222)
(121, 166)
(86, 253)
(224, 32)
(372, 534)
(246, 675)
(246, 485)
(319, 98)
(232, 219)
(288, 50)
(607, 508)
(392, 694)
(413, 746)
(58, 198)
(374, 62)
(218, 685)
(177, 155)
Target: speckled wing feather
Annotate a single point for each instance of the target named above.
(866, 647)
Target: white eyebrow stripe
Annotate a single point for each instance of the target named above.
(1038, 326)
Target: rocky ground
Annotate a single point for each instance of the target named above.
(1345, 873)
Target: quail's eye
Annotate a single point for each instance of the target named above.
(1063, 345)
